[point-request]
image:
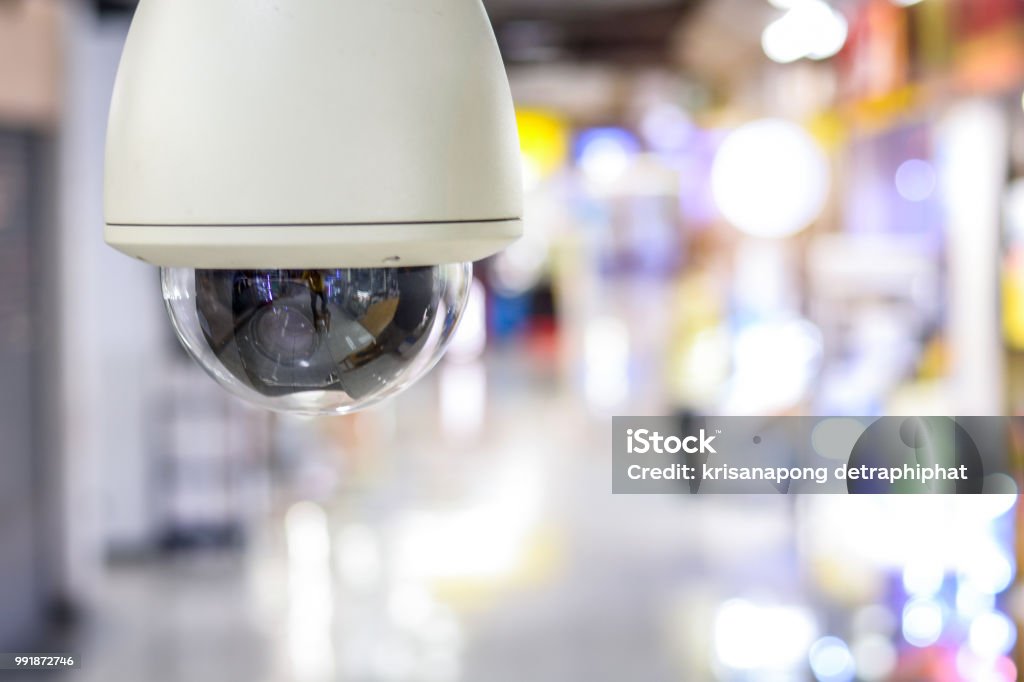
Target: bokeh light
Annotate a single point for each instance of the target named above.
(544, 138)
(988, 568)
(752, 637)
(831, 660)
(992, 634)
(916, 180)
(922, 622)
(605, 154)
(875, 657)
(809, 29)
(667, 128)
(770, 179)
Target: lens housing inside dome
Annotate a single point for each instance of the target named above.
(317, 341)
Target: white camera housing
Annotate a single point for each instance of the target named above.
(296, 136)
(311, 133)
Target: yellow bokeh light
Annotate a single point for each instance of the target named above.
(544, 140)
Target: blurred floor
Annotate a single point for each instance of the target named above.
(498, 553)
(503, 560)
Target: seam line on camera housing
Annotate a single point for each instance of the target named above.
(398, 222)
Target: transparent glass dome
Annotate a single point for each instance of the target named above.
(317, 342)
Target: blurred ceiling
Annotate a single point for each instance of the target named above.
(613, 31)
(107, 7)
(531, 31)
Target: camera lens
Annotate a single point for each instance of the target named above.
(317, 341)
(285, 335)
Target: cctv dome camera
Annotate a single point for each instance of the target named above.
(314, 178)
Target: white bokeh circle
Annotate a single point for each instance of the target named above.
(770, 179)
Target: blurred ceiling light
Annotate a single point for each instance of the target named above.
(905, 3)
(762, 638)
(770, 179)
(810, 28)
(831, 660)
(922, 622)
(604, 154)
(916, 180)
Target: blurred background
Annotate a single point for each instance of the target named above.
(734, 207)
